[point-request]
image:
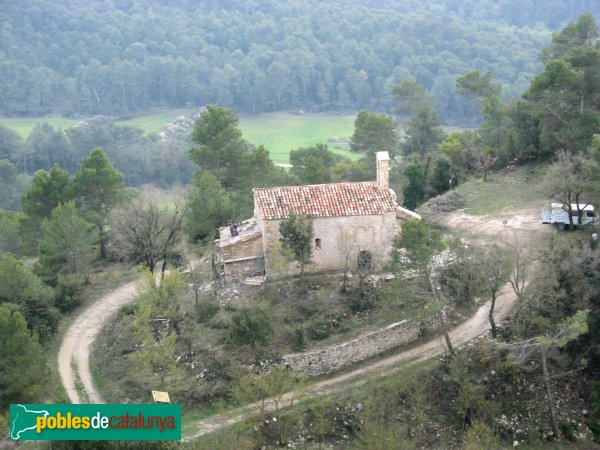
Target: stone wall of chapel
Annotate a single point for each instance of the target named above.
(374, 233)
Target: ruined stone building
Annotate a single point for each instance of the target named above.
(348, 218)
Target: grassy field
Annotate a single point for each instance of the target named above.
(281, 132)
(23, 126)
(511, 189)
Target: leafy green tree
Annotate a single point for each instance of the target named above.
(351, 171)
(159, 357)
(250, 326)
(219, 148)
(414, 192)
(24, 372)
(477, 85)
(443, 176)
(47, 191)
(565, 95)
(420, 243)
(583, 33)
(13, 148)
(311, 165)
(423, 131)
(24, 291)
(157, 320)
(374, 133)
(258, 170)
(98, 187)
(11, 223)
(410, 97)
(67, 242)
(12, 185)
(208, 206)
(297, 234)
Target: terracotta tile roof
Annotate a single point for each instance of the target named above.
(325, 200)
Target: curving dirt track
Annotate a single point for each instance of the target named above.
(473, 327)
(75, 349)
(74, 353)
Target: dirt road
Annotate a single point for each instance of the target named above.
(74, 353)
(473, 327)
(523, 225)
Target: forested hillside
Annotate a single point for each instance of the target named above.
(121, 57)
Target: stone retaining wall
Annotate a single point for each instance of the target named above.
(336, 357)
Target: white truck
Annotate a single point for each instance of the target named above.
(557, 215)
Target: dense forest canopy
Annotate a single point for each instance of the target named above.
(124, 56)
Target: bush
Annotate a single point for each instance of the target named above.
(363, 299)
(320, 329)
(250, 327)
(126, 310)
(299, 341)
(69, 292)
(568, 429)
(206, 310)
(595, 429)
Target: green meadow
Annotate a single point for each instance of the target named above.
(281, 132)
(23, 126)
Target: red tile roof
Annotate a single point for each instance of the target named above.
(325, 200)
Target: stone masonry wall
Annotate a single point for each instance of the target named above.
(244, 249)
(373, 233)
(336, 357)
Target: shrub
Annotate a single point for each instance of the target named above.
(126, 310)
(69, 292)
(568, 429)
(318, 330)
(363, 299)
(205, 311)
(250, 327)
(299, 342)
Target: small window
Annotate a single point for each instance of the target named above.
(589, 213)
(318, 243)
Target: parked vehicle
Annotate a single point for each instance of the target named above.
(557, 214)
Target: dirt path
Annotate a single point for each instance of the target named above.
(473, 327)
(523, 225)
(74, 353)
(75, 349)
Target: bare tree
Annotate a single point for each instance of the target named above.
(519, 272)
(145, 234)
(492, 263)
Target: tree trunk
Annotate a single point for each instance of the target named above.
(102, 241)
(447, 338)
(442, 320)
(549, 393)
(163, 270)
(491, 315)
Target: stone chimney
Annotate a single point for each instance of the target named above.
(383, 169)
